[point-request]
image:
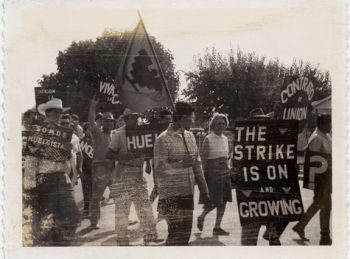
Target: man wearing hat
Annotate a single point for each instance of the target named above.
(101, 166)
(129, 185)
(53, 188)
(321, 142)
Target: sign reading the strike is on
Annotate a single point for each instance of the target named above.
(265, 154)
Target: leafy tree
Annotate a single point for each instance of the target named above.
(240, 82)
(84, 64)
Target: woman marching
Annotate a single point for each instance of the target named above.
(214, 155)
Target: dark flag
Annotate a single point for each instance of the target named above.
(142, 82)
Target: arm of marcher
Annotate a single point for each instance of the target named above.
(199, 175)
(205, 152)
(92, 111)
(161, 157)
(117, 156)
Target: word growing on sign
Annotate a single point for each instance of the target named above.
(88, 149)
(109, 90)
(253, 209)
(300, 84)
(141, 141)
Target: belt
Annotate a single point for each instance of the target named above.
(130, 165)
(51, 173)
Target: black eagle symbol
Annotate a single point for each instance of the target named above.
(143, 75)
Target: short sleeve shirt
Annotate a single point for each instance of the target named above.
(118, 145)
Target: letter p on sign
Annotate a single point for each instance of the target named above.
(316, 170)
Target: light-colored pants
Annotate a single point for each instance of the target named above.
(130, 186)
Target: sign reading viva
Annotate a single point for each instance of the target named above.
(296, 97)
(108, 92)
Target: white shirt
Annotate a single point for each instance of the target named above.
(218, 146)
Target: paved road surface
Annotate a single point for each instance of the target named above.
(105, 236)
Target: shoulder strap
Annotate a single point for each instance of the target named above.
(184, 140)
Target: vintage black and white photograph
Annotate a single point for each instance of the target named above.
(167, 124)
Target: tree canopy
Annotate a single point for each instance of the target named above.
(240, 82)
(82, 66)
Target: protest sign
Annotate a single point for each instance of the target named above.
(45, 94)
(318, 170)
(107, 93)
(48, 142)
(86, 148)
(296, 96)
(141, 140)
(265, 155)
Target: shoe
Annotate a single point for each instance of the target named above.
(200, 222)
(300, 232)
(275, 242)
(94, 226)
(132, 222)
(220, 232)
(152, 238)
(325, 240)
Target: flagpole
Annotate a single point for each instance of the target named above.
(157, 61)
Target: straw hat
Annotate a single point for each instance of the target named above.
(107, 116)
(54, 103)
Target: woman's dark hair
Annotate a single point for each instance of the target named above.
(182, 109)
(323, 120)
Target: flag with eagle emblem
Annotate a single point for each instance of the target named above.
(142, 83)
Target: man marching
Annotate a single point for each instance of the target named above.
(129, 185)
(101, 166)
(320, 141)
(58, 212)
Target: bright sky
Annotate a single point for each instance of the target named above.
(36, 32)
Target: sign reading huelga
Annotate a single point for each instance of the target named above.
(142, 139)
(265, 154)
(48, 142)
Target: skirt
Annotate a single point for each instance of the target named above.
(218, 179)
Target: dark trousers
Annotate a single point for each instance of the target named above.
(57, 211)
(86, 183)
(322, 202)
(250, 233)
(178, 212)
(101, 178)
